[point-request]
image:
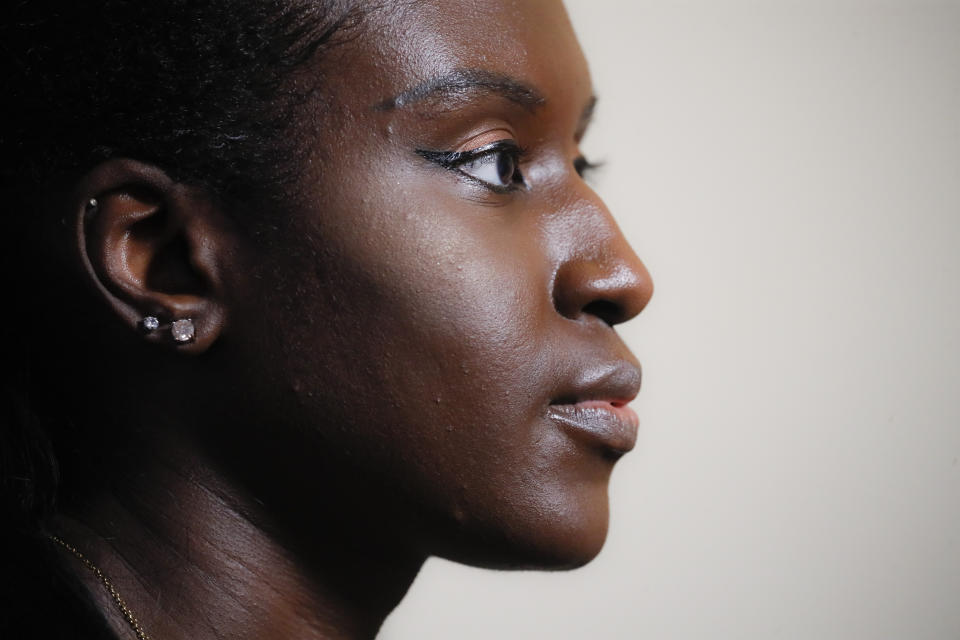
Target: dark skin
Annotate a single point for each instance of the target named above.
(417, 359)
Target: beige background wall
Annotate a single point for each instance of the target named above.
(791, 173)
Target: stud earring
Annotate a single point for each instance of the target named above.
(92, 204)
(181, 330)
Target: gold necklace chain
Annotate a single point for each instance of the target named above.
(121, 605)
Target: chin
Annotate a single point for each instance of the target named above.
(567, 536)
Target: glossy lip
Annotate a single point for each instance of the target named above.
(595, 411)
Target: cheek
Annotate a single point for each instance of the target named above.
(454, 324)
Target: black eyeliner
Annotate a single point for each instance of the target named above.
(453, 159)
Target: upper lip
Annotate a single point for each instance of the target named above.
(617, 383)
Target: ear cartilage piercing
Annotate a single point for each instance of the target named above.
(150, 323)
(182, 330)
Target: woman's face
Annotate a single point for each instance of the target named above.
(437, 314)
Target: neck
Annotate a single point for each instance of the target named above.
(195, 557)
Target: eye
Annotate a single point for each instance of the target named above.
(495, 166)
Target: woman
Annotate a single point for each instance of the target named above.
(304, 293)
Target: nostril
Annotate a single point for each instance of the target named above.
(609, 312)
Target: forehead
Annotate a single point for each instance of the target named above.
(408, 42)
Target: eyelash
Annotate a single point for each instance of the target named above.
(584, 167)
(454, 160)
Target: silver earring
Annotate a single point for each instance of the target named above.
(183, 330)
(92, 204)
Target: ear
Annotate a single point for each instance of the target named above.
(154, 248)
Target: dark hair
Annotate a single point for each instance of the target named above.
(199, 88)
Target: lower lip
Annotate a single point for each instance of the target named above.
(612, 427)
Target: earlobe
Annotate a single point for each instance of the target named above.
(152, 248)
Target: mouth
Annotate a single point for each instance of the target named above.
(596, 412)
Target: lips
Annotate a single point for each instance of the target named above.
(594, 410)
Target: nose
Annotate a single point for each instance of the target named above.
(602, 278)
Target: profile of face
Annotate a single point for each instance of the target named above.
(419, 345)
(435, 318)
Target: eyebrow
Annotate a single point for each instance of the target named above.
(464, 81)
